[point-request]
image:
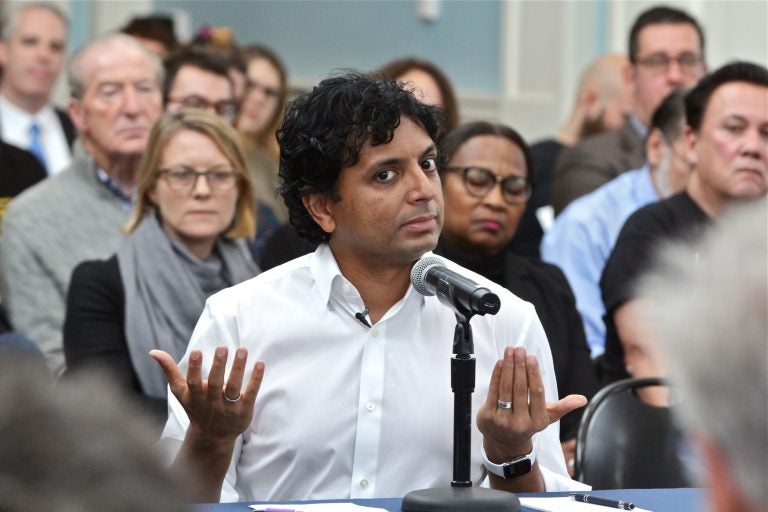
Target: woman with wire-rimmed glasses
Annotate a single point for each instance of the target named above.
(186, 240)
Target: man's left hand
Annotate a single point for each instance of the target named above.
(508, 432)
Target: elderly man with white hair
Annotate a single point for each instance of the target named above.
(78, 214)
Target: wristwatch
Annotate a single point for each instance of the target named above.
(516, 467)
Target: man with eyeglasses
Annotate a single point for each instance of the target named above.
(666, 51)
(582, 237)
(199, 78)
(79, 213)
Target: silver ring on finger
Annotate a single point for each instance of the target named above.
(232, 400)
(503, 405)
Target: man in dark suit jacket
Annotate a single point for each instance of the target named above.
(32, 56)
(666, 51)
(19, 170)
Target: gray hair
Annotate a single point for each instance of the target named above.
(80, 445)
(14, 18)
(78, 82)
(710, 304)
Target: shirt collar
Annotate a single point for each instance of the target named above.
(325, 270)
(113, 186)
(638, 126)
(330, 281)
(643, 191)
(15, 113)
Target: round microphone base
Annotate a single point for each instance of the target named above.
(460, 499)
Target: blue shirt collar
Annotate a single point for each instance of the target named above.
(113, 186)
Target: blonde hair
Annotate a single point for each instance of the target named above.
(226, 139)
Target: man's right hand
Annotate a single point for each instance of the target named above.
(217, 412)
(210, 413)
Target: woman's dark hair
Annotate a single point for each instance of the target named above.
(454, 140)
(399, 67)
(158, 28)
(325, 129)
(266, 139)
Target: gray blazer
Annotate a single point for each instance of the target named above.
(594, 161)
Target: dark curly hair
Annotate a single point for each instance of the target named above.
(325, 129)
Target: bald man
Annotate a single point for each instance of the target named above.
(602, 102)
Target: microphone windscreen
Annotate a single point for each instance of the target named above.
(419, 273)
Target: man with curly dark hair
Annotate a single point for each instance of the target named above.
(357, 403)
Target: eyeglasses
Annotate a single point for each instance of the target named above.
(185, 179)
(658, 63)
(224, 108)
(270, 92)
(480, 181)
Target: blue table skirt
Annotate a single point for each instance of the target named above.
(657, 500)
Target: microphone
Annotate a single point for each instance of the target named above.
(360, 315)
(430, 276)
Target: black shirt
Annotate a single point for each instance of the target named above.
(675, 218)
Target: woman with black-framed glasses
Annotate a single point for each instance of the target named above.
(486, 172)
(186, 240)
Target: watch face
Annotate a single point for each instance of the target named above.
(518, 468)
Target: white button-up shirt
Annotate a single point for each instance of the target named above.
(347, 411)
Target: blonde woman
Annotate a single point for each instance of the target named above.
(186, 240)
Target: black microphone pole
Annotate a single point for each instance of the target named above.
(461, 495)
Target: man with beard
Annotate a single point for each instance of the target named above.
(602, 102)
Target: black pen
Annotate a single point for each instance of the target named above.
(586, 498)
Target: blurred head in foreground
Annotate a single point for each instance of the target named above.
(78, 446)
(711, 314)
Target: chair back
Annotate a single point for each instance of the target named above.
(624, 443)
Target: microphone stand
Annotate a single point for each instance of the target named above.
(461, 495)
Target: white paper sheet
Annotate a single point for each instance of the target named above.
(317, 507)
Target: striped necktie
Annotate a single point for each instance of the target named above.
(36, 142)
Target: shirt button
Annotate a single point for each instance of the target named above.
(370, 406)
(364, 483)
(374, 333)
